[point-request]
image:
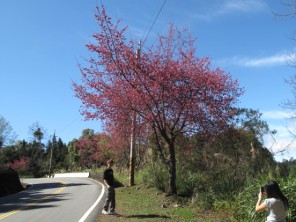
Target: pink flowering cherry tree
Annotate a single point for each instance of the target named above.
(165, 85)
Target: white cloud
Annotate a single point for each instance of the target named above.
(273, 60)
(242, 6)
(230, 7)
(275, 114)
(267, 61)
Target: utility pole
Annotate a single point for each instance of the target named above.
(132, 153)
(133, 138)
(50, 159)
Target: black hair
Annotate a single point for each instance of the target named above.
(273, 190)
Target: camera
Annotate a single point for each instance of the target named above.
(262, 189)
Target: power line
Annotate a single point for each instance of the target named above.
(154, 21)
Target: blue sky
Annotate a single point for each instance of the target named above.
(41, 43)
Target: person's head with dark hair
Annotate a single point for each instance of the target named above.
(273, 190)
(110, 163)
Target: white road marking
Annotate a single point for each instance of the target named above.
(82, 219)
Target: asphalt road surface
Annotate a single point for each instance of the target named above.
(54, 200)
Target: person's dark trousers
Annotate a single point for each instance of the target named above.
(110, 199)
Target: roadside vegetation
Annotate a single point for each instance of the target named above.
(218, 178)
(143, 202)
(172, 123)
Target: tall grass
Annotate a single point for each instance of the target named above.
(288, 187)
(245, 202)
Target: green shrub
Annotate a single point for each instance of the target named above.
(156, 175)
(245, 202)
(206, 200)
(288, 186)
(188, 183)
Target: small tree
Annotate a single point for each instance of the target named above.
(72, 157)
(56, 153)
(166, 87)
(36, 150)
(7, 136)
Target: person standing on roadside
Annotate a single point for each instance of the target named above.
(109, 206)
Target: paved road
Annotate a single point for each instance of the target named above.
(53, 200)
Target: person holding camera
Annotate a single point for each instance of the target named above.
(276, 203)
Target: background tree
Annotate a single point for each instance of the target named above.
(22, 147)
(36, 154)
(56, 153)
(60, 151)
(7, 135)
(250, 121)
(72, 157)
(15, 156)
(86, 146)
(36, 150)
(167, 87)
(7, 156)
(87, 133)
(93, 149)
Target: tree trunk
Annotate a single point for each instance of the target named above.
(172, 171)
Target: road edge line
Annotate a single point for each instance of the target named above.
(82, 219)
